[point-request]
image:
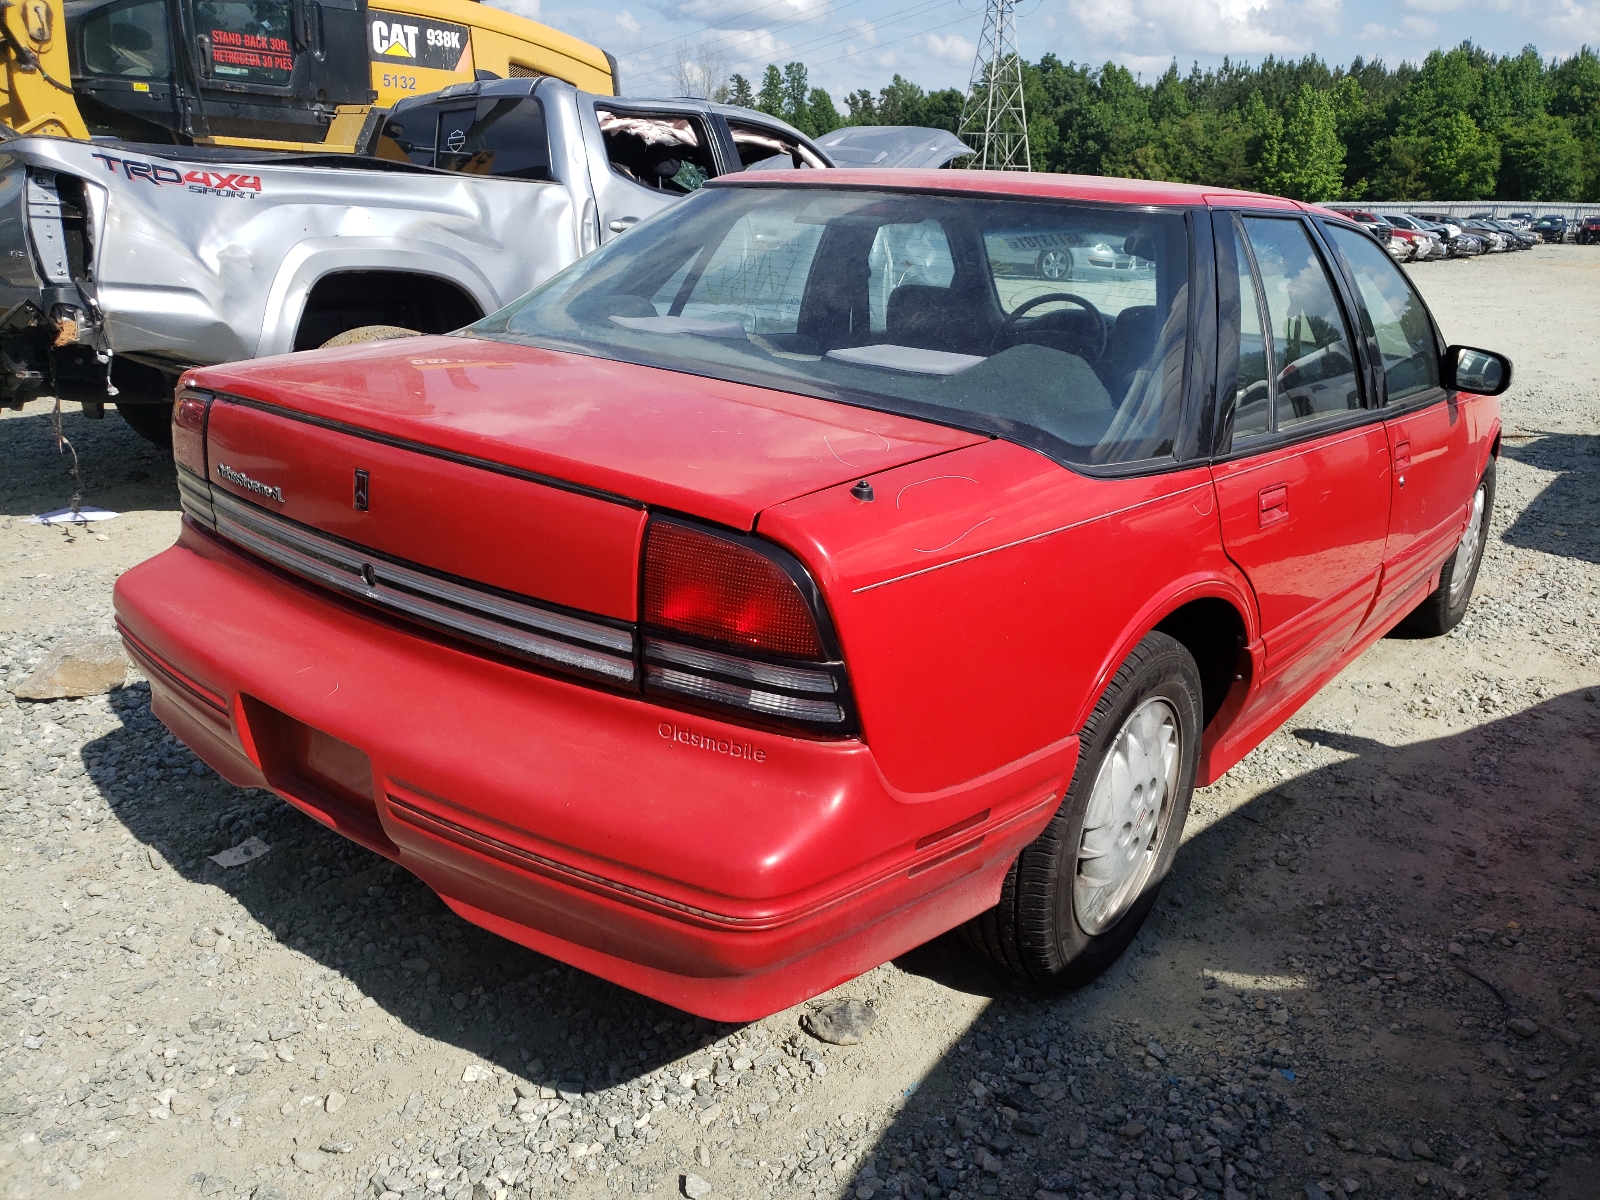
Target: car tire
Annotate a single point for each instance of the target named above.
(1055, 265)
(151, 420)
(368, 333)
(1055, 923)
(1447, 604)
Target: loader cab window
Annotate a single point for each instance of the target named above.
(245, 41)
(663, 152)
(128, 41)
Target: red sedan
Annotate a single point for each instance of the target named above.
(786, 584)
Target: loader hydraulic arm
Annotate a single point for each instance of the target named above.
(35, 88)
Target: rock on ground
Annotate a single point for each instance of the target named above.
(88, 665)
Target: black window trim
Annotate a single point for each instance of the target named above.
(1228, 351)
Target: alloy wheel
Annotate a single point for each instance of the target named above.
(1467, 552)
(1055, 264)
(1127, 815)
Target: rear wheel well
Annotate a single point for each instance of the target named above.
(350, 299)
(1214, 634)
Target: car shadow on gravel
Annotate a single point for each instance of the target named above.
(1564, 519)
(1047, 1089)
(1107, 1090)
(117, 469)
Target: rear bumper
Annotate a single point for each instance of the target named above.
(727, 871)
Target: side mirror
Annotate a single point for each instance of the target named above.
(1482, 372)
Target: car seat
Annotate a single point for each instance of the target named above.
(936, 318)
(1129, 344)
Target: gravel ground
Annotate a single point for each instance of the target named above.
(1376, 971)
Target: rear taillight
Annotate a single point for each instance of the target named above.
(709, 587)
(736, 623)
(189, 416)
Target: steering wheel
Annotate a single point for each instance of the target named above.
(1087, 348)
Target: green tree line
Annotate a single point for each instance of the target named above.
(1464, 125)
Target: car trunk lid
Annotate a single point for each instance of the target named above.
(526, 469)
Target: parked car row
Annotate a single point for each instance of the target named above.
(1415, 237)
(1552, 227)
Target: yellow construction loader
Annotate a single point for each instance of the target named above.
(269, 74)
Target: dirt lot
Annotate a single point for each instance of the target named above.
(1376, 970)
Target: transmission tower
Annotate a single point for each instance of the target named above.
(993, 119)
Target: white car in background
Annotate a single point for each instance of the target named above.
(1056, 255)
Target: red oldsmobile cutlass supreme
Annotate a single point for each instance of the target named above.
(826, 563)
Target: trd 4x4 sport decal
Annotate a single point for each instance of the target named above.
(415, 42)
(213, 183)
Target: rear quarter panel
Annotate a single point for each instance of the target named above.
(985, 597)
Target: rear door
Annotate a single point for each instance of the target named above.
(1303, 485)
(643, 158)
(1429, 440)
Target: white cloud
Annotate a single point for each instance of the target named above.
(522, 8)
(1446, 6)
(1160, 29)
(952, 48)
(742, 14)
(1568, 25)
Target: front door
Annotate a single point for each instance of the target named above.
(1428, 439)
(1304, 490)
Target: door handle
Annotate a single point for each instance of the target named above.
(622, 223)
(1274, 502)
(1402, 460)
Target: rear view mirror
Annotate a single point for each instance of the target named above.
(1482, 372)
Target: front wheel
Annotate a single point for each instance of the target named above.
(1447, 604)
(1055, 264)
(1075, 898)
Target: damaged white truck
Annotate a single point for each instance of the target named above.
(122, 265)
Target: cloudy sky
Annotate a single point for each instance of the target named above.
(863, 43)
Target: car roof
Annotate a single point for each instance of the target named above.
(1019, 183)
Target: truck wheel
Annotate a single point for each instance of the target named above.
(151, 420)
(1447, 604)
(1075, 898)
(368, 333)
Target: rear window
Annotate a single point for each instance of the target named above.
(1056, 324)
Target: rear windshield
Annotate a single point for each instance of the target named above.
(1056, 324)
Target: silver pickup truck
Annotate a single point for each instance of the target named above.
(122, 265)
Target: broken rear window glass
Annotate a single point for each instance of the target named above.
(667, 153)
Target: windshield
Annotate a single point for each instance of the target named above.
(1057, 324)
